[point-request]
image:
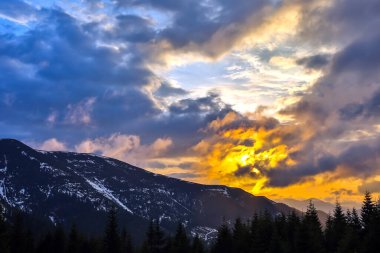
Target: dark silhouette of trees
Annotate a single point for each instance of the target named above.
(112, 243)
(197, 245)
(155, 239)
(17, 240)
(4, 245)
(311, 236)
(180, 243)
(126, 242)
(370, 217)
(224, 240)
(240, 237)
(345, 232)
(336, 227)
(73, 245)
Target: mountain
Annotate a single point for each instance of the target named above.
(324, 206)
(67, 188)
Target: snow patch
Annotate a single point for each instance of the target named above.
(99, 187)
(3, 188)
(4, 170)
(205, 233)
(223, 191)
(52, 219)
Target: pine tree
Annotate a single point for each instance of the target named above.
(3, 232)
(17, 236)
(197, 245)
(29, 240)
(253, 232)
(240, 237)
(350, 241)
(311, 236)
(275, 245)
(126, 242)
(59, 240)
(46, 244)
(223, 242)
(155, 241)
(264, 233)
(111, 236)
(368, 209)
(329, 233)
(355, 221)
(292, 231)
(338, 228)
(369, 220)
(73, 245)
(180, 243)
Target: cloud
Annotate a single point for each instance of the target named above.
(371, 186)
(340, 21)
(53, 145)
(79, 113)
(167, 90)
(106, 67)
(315, 61)
(207, 27)
(359, 160)
(183, 175)
(133, 29)
(17, 11)
(343, 101)
(127, 148)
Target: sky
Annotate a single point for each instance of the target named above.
(278, 97)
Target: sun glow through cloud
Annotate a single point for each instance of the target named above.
(279, 98)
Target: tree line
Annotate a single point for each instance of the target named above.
(348, 231)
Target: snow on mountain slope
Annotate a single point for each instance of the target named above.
(69, 187)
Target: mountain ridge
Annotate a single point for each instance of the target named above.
(69, 187)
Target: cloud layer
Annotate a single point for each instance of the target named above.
(148, 82)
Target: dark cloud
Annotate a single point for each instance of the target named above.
(67, 62)
(361, 55)
(184, 121)
(196, 25)
(245, 171)
(314, 62)
(211, 102)
(343, 21)
(342, 191)
(372, 186)
(351, 111)
(359, 160)
(16, 9)
(183, 175)
(62, 64)
(133, 28)
(370, 108)
(186, 165)
(167, 90)
(344, 101)
(157, 165)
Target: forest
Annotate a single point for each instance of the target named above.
(356, 231)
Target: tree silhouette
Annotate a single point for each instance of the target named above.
(126, 242)
(155, 241)
(4, 245)
(197, 245)
(180, 242)
(111, 236)
(311, 236)
(223, 242)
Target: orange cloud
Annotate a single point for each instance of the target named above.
(243, 154)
